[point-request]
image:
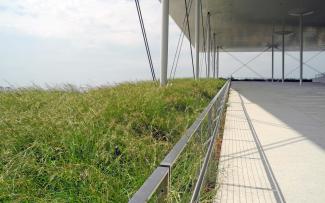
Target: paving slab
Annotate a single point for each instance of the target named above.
(273, 148)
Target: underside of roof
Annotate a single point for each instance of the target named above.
(247, 25)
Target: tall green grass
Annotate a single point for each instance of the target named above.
(94, 146)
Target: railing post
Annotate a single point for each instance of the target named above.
(210, 123)
(163, 189)
(214, 114)
(211, 174)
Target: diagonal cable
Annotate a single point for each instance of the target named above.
(145, 39)
(179, 46)
(311, 67)
(176, 59)
(189, 35)
(311, 58)
(307, 65)
(190, 41)
(246, 64)
(204, 40)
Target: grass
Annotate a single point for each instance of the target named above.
(94, 146)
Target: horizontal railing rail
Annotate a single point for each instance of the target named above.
(159, 182)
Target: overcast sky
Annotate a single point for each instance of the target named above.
(95, 42)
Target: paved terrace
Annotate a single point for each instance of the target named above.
(274, 144)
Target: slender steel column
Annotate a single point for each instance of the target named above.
(301, 49)
(301, 12)
(164, 42)
(272, 57)
(283, 57)
(214, 55)
(283, 33)
(209, 43)
(218, 62)
(197, 38)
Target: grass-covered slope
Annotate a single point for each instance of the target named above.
(95, 146)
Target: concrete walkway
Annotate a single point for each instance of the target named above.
(273, 148)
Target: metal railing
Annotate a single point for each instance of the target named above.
(206, 129)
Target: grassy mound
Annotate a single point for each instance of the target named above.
(95, 146)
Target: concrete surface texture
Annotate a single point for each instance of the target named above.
(274, 144)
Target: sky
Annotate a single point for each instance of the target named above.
(99, 42)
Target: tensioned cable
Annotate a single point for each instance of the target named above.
(176, 56)
(307, 65)
(180, 40)
(189, 35)
(314, 56)
(311, 58)
(179, 46)
(290, 72)
(145, 40)
(246, 64)
(189, 31)
(204, 40)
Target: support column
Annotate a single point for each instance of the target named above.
(214, 55)
(272, 57)
(197, 38)
(218, 62)
(283, 33)
(283, 57)
(208, 43)
(301, 12)
(164, 42)
(301, 49)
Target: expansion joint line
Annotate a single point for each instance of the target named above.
(274, 184)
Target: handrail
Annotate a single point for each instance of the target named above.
(159, 180)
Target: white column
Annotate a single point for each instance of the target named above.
(301, 49)
(164, 42)
(301, 13)
(272, 57)
(283, 48)
(214, 55)
(218, 62)
(197, 38)
(208, 43)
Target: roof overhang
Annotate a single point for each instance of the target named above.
(247, 25)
